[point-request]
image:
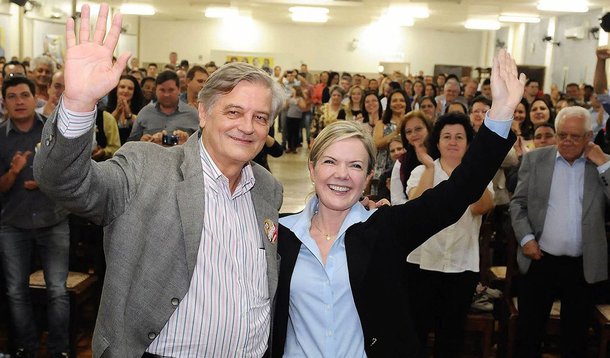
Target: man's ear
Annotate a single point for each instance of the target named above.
(202, 115)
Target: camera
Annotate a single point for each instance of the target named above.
(169, 139)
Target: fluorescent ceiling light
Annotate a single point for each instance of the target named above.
(137, 9)
(519, 18)
(411, 11)
(308, 14)
(221, 12)
(474, 24)
(563, 6)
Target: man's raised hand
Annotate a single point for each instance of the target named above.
(89, 71)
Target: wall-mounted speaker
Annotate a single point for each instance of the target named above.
(605, 22)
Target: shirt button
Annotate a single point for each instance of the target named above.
(47, 142)
(152, 335)
(50, 136)
(329, 333)
(175, 302)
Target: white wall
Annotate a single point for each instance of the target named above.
(9, 20)
(321, 47)
(533, 47)
(575, 58)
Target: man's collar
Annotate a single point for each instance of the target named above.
(181, 108)
(9, 123)
(246, 178)
(558, 156)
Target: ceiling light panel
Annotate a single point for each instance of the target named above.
(137, 9)
(476, 24)
(563, 6)
(308, 14)
(219, 12)
(519, 18)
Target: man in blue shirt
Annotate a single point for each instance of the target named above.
(557, 213)
(30, 218)
(167, 116)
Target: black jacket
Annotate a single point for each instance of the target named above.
(377, 250)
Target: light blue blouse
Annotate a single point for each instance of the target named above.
(323, 321)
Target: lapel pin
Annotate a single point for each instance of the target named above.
(270, 231)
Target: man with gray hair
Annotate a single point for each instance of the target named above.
(191, 230)
(557, 214)
(451, 93)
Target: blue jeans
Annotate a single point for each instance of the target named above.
(53, 245)
(284, 129)
(306, 123)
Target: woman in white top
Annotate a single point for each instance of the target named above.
(445, 268)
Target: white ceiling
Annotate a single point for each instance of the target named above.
(444, 14)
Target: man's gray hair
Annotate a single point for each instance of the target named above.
(44, 60)
(452, 82)
(228, 76)
(574, 111)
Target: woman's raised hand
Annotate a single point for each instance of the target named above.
(423, 156)
(506, 86)
(89, 71)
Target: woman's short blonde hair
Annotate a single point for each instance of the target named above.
(338, 131)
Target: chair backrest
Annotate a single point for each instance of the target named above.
(512, 270)
(486, 236)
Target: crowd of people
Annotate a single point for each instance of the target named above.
(165, 161)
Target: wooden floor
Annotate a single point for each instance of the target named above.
(291, 170)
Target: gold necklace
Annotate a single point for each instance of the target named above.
(326, 236)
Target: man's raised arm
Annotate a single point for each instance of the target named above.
(63, 166)
(600, 82)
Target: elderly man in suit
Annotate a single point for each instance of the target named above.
(190, 230)
(557, 214)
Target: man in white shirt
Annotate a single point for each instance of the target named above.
(557, 213)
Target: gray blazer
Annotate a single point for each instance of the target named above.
(529, 204)
(150, 200)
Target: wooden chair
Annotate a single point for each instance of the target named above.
(602, 315)
(483, 323)
(508, 312)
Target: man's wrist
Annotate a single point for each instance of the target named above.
(527, 238)
(78, 106)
